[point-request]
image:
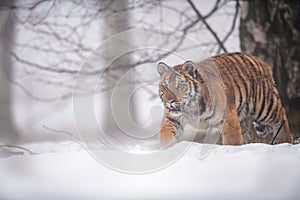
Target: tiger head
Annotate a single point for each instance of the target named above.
(174, 87)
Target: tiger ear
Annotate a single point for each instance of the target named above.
(189, 66)
(162, 67)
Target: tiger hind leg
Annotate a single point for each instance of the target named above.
(272, 130)
(284, 135)
(232, 132)
(262, 130)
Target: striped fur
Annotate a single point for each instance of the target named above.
(249, 92)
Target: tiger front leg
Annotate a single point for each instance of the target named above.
(232, 132)
(169, 130)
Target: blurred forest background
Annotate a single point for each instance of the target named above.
(43, 44)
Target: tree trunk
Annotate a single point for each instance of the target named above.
(118, 109)
(8, 133)
(271, 31)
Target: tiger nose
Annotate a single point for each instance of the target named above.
(170, 98)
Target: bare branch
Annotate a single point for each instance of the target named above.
(207, 25)
(62, 46)
(29, 6)
(47, 68)
(215, 8)
(237, 5)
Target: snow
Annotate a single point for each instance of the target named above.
(253, 171)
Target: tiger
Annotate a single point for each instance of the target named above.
(224, 89)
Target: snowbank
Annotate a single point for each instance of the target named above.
(254, 171)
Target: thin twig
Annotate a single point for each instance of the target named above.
(58, 131)
(18, 147)
(275, 136)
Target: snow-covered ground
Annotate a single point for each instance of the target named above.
(253, 171)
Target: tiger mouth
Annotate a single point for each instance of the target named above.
(173, 106)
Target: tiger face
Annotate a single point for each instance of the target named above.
(173, 88)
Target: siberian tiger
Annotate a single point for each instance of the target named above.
(194, 91)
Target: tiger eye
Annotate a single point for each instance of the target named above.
(181, 85)
(164, 85)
